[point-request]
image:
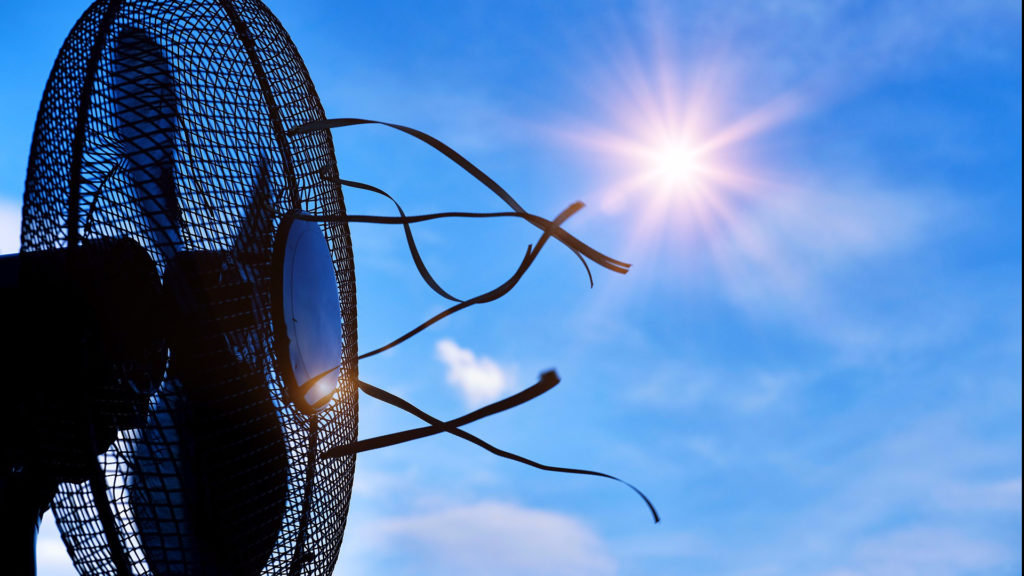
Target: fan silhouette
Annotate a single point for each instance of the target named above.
(186, 302)
(162, 151)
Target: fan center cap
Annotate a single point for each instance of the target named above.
(307, 313)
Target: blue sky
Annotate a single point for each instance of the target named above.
(812, 369)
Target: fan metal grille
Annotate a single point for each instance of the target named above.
(240, 87)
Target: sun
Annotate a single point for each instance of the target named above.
(679, 157)
(675, 167)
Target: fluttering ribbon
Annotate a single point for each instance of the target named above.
(550, 229)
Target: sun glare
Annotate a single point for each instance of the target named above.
(676, 167)
(675, 153)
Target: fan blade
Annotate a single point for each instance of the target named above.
(255, 232)
(210, 480)
(146, 111)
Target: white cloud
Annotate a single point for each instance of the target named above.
(495, 538)
(478, 379)
(10, 227)
(51, 556)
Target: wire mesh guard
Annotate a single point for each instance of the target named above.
(167, 123)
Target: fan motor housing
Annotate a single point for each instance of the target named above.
(307, 322)
(90, 328)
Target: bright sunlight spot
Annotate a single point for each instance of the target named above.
(675, 167)
(678, 155)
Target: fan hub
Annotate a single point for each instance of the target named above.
(307, 317)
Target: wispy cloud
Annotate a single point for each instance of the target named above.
(490, 537)
(924, 550)
(787, 244)
(677, 386)
(478, 379)
(933, 499)
(839, 46)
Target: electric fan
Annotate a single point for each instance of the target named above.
(161, 427)
(183, 306)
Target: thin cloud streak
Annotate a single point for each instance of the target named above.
(936, 551)
(489, 537)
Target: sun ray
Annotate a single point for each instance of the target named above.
(675, 155)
